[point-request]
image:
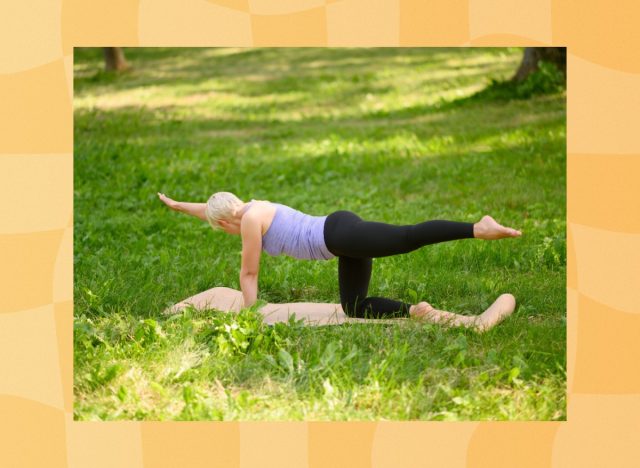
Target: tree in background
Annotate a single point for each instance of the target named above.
(534, 55)
(114, 59)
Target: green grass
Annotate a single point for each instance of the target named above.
(396, 135)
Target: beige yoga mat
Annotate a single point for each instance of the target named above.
(230, 300)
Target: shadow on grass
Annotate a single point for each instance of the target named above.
(166, 130)
(270, 70)
(546, 80)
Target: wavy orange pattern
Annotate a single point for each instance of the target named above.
(36, 164)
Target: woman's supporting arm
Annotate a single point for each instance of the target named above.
(251, 233)
(249, 286)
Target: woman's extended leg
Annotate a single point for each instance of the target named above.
(346, 234)
(349, 235)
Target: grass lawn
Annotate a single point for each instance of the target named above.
(391, 134)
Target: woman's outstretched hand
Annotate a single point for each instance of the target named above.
(174, 205)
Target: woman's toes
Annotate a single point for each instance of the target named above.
(513, 232)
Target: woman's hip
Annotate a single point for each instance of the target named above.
(335, 226)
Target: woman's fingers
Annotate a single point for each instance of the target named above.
(166, 200)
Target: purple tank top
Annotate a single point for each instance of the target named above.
(296, 234)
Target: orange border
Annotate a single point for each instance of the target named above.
(603, 239)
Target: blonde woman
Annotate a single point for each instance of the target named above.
(279, 229)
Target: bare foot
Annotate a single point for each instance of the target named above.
(425, 311)
(420, 309)
(502, 307)
(489, 229)
(497, 312)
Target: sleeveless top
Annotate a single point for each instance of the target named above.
(296, 234)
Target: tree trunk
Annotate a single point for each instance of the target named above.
(532, 57)
(114, 59)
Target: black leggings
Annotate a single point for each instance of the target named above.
(355, 242)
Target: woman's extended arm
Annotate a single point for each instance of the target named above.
(193, 209)
(250, 231)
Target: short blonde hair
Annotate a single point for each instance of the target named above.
(221, 205)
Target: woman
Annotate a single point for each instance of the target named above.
(279, 229)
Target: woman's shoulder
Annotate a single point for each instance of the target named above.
(258, 206)
(263, 205)
(262, 211)
(269, 206)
